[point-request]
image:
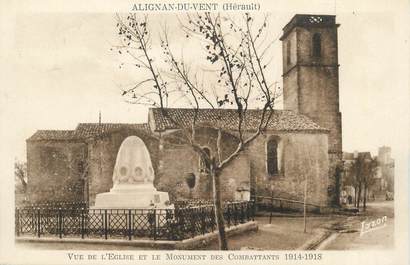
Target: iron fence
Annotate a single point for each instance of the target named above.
(57, 204)
(165, 224)
(285, 205)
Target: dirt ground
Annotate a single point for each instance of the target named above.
(284, 233)
(380, 238)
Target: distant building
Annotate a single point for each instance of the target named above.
(386, 169)
(383, 183)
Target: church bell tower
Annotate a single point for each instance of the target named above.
(311, 81)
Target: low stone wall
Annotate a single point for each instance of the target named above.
(187, 244)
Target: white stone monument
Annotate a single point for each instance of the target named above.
(133, 177)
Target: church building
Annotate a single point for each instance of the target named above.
(303, 142)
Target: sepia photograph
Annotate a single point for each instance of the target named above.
(205, 132)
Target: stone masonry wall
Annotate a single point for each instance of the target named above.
(303, 155)
(55, 170)
(178, 159)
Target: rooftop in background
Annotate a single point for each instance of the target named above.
(309, 20)
(85, 130)
(281, 120)
(351, 156)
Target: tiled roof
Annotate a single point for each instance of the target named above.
(281, 120)
(92, 129)
(85, 130)
(53, 135)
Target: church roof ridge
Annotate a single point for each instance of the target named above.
(85, 130)
(53, 135)
(281, 120)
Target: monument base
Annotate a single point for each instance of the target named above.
(132, 197)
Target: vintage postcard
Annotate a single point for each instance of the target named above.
(204, 132)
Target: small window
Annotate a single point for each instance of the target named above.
(288, 55)
(317, 45)
(204, 166)
(272, 157)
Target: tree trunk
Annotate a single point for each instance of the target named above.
(359, 194)
(356, 191)
(24, 183)
(220, 224)
(354, 198)
(365, 198)
(304, 206)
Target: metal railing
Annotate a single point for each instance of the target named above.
(57, 204)
(283, 205)
(165, 224)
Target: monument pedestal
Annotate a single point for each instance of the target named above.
(128, 196)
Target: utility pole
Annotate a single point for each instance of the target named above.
(271, 203)
(304, 205)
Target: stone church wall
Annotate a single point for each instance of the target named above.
(178, 159)
(55, 170)
(56, 167)
(299, 153)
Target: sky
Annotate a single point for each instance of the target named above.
(65, 73)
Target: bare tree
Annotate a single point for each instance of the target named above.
(354, 177)
(20, 173)
(370, 172)
(236, 53)
(360, 174)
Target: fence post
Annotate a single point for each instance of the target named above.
(82, 223)
(253, 210)
(17, 222)
(105, 224)
(178, 230)
(155, 224)
(203, 221)
(129, 225)
(235, 215)
(193, 222)
(170, 224)
(246, 211)
(242, 214)
(228, 214)
(38, 222)
(59, 223)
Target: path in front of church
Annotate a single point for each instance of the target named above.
(283, 233)
(379, 237)
(286, 233)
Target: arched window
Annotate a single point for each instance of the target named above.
(204, 166)
(288, 57)
(317, 45)
(272, 157)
